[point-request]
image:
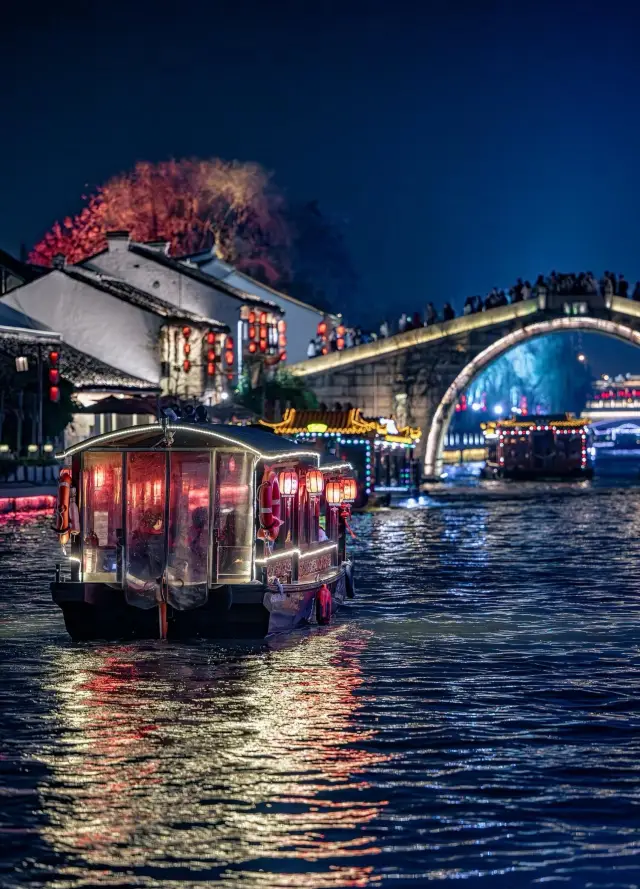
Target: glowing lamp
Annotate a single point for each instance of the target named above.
(228, 357)
(317, 427)
(333, 493)
(186, 332)
(252, 317)
(54, 394)
(229, 343)
(252, 332)
(211, 368)
(288, 482)
(187, 348)
(349, 490)
(211, 338)
(263, 331)
(186, 365)
(282, 326)
(340, 330)
(282, 341)
(53, 358)
(252, 347)
(283, 356)
(263, 345)
(263, 317)
(315, 481)
(322, 328)
(54, 376)
(211, 355)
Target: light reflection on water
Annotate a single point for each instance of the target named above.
(473, 714)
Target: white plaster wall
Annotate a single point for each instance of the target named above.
(94, 322)
(302, 321)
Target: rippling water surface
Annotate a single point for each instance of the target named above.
(473, 714)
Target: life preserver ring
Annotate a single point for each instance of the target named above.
(323, 605)
(269, 506)
(61, 524)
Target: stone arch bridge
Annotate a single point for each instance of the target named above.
(417, 376)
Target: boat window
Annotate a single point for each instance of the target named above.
(145, 520)
(188, 554)
(101, 514)
(234, 521)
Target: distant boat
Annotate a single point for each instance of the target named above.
(179, 530)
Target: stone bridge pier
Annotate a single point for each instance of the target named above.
(417, 376)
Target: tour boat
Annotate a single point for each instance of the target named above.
(178, 530)
(538, 447)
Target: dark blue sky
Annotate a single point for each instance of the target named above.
(463, 143)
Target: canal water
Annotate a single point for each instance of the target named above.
(474, 714)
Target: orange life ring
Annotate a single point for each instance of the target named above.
(61, 524)
(323, 605)
(269, 506)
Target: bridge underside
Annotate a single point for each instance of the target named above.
(418, 376)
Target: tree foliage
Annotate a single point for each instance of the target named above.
(281, 389)
(193, 204)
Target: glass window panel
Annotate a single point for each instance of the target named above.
(234, 521)
(145, 520)
(188, 528)
(101, 514)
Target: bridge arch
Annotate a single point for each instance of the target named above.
(446, 407)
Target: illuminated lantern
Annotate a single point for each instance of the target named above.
(187, 348)
(54, 394)
(186, 332)
(252, 347)
(349, 490)
(229, 343)
(228, 357)
(263, 317)
(263, 345)
(211, 368)
(333, 493)
(263, 332)
(54, 376)
(283, 356)
(282, 341)
(211, 355)
(288, 482)
(315, 481)
(186, 365)
(54, 357)
(322, 328)
(252, 317)
(211, 338)
(252, 332)
(282, 326)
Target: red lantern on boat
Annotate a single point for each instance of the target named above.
(333, 493)
(315, 482)
(252, 317)
(288, 481)
(349, 489)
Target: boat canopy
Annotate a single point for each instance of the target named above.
(194, 436)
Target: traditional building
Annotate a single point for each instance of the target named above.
(14, 273)
(302, 319)
(143, 336)
(256, 325)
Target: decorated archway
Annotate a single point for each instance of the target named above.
(446, 407)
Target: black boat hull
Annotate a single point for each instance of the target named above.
(99, 611)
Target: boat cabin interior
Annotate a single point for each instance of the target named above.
(194, 506)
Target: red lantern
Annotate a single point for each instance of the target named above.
(187, 348)
(229, 343)
(283, 356)
(263, 345)
(333, 493)
(349, 489)
(252, 332)
(54, 394)
(252, 317)
(186, 332)
(263, 332)
(282, 341)
(252, 347)
(211, 368)
(288, 482)
(54, 376)
(228, 357)
(186, 365)
(211, 338)
(263, 317)
(282, 326)
(53, 358)
(315, 481)
(211, 355)
(322, 328)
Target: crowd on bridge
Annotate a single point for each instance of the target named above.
(563, 283)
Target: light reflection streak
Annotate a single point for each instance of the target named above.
(200, 766)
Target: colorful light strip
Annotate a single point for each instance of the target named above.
(303, 553)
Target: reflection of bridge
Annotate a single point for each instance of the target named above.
(418, 375)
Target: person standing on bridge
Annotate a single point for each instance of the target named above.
(402, 323)
(447, 312)
(623, 287)
(525, 293)
(384, 330)
(636, 292)
(430, 316)
(311, 349)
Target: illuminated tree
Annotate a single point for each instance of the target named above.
(193, 204)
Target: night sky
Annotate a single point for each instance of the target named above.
(460, 144)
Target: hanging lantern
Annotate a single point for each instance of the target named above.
(186, 332)
(263, 345)
(229, 343)
(252, 317)
(252, 347)
(282, 326)
(282, 341)
(252, 331)
(228, 357)
(211, 355)
(54, 376)
(263, 331)
(315, 481)
(187, 348)
(349, 489)
(263, 317)
(283, 356)
(288, 482)
(54, 394)
(333, 493)
(186, 365)
(322, 328)
(211, 338)
(211, 368)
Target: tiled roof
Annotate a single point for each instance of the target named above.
(348, 421)
(193, 271)
(134, 296)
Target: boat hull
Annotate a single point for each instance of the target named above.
(99, 611)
